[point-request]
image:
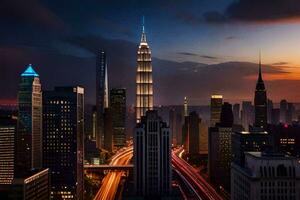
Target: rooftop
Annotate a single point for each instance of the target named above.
(30, 72)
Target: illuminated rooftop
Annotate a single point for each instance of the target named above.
(216, 96)
(30, 72)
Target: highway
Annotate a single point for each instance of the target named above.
(197, 183)
(111, 181)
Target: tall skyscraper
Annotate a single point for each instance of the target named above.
(63, 137)
(236, 113)
(8, 128)
(144, 80)
(260, 101)
(101, 95)
(219, 151)
(283, 110)
(152, 156)
(270, 107)
(290, 113)
(191, 133)
(29, 136)
(108, 130)
(33, 185)
(118, 109)
(185, 107)
(215, 109)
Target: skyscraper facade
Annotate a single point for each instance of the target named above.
(260, 102)
(101, 95)
(215, 109)
(191, 133)
(63, 135)
(118, 109)
(8, 128)
(266, 176)
(236, 113)
(29, 136)
(219, 151)
(144, 80)
(283, 110)
(152, 156)
(247, 114)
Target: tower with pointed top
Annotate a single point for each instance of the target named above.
(29, 137)
(185, 107)
(260, 101)
(144, 81)
(101, 95)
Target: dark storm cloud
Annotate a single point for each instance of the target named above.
(209, 57)
(29, 12)
(263, 10)
(230, 38)
(247, 11)
(187, 54)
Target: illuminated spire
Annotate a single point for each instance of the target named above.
(260, 83)
(259, 67)
(106, 88)
(143, 39)
(185, 105)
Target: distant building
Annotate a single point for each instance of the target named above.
(260, 102)
(152, 157)
(94, 123)
(8, 128)
(236, 113)
(108, 130)
(33, 185)
(63, 137)
(191, 133)
(286, 138)
(101, 95)
(118, 109)
(266, 176)
(144, 80)
(270, 108)
(244, 141)
(275, 116)
(247, 114)
(29, 137)
(283, 110)
(219, 151)
(215, 109)
(185, 107)
(290, 113)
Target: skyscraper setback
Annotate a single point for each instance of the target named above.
(29, 137)
(101, 95)
(144, 81)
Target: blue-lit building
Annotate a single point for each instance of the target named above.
(63, 137)
(29, 136)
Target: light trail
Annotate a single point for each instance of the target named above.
(111, 181)
(203, 189)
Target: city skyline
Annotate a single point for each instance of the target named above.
(88, 111)
(194, 46)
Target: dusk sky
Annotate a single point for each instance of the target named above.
(199, 47)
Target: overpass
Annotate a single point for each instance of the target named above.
(97, 168)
